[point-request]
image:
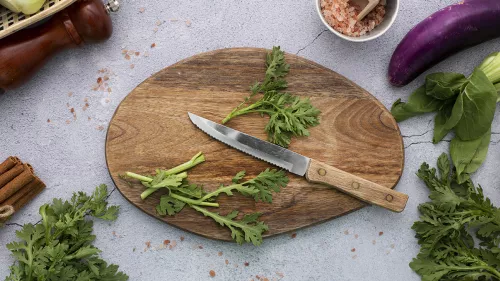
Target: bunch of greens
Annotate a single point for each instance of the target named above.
(60, 247)
(464, 105)
(448, 251)
(182, 193)
(289, 116)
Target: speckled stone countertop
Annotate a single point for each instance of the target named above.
(66, 146)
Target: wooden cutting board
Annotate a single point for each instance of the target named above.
(151, 129)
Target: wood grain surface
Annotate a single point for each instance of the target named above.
(151, 129)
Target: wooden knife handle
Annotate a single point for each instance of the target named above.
(355, 186)
(26, 51)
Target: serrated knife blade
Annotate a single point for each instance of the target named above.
(313, 170)
(263, 150)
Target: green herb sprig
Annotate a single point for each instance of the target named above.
(444, 232)
(289, 116)
(60, 247)
(182, 193)
(465, 106)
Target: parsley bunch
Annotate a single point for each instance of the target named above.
(60, 247)
(448, 251)
(182, 193)
(289, 115)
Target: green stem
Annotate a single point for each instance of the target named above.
(220, 190)
(218, 218)
(138, 177)
(197, 159)
(241, 112)
(148, 192)
(193, 202)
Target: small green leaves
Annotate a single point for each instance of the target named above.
(182, 193)
(248, 229)
(448, 251)
(60, 247)
(169, 205)
(276, 71)
(289, 116)
(268, 181)
(240, 175)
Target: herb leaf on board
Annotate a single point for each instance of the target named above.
(181, 193)
(248, 229)
(289, 116)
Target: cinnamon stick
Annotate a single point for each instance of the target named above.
(16, 184)
(8, 164)
(11, 174)
(26, 194)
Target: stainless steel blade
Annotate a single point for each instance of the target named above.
(274, 154)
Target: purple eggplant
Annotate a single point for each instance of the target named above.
(444, 33)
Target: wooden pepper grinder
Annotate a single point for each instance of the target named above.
(25, 52)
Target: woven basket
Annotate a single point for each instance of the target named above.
(11, 22)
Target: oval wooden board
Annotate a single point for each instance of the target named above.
(151, 129)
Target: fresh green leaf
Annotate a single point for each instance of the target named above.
(289, 116)
(276, 70)
(444, 86)
(444, 168)
(169, 205)
(418, 103)
(468, 156)
(479, 104)
(240, 175)
(448, 251)
(248, 229)
(191, 190)
(266, 182)
(456, 113)
(442, 117)
(60, 247)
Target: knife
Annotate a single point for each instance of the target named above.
(314, 171)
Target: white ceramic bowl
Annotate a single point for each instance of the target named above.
(391, 12)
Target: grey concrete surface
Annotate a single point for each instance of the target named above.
(68, 151)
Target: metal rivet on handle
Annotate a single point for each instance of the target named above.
(389, 198)
(355, 185)
(322, 172)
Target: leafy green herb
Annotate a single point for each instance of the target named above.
(444, 232)
(169, 205)
(181, 193)
(289, 116)
(277, 69)
(247, 229)
(60, 247)
(172, 178)
(465, 106)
